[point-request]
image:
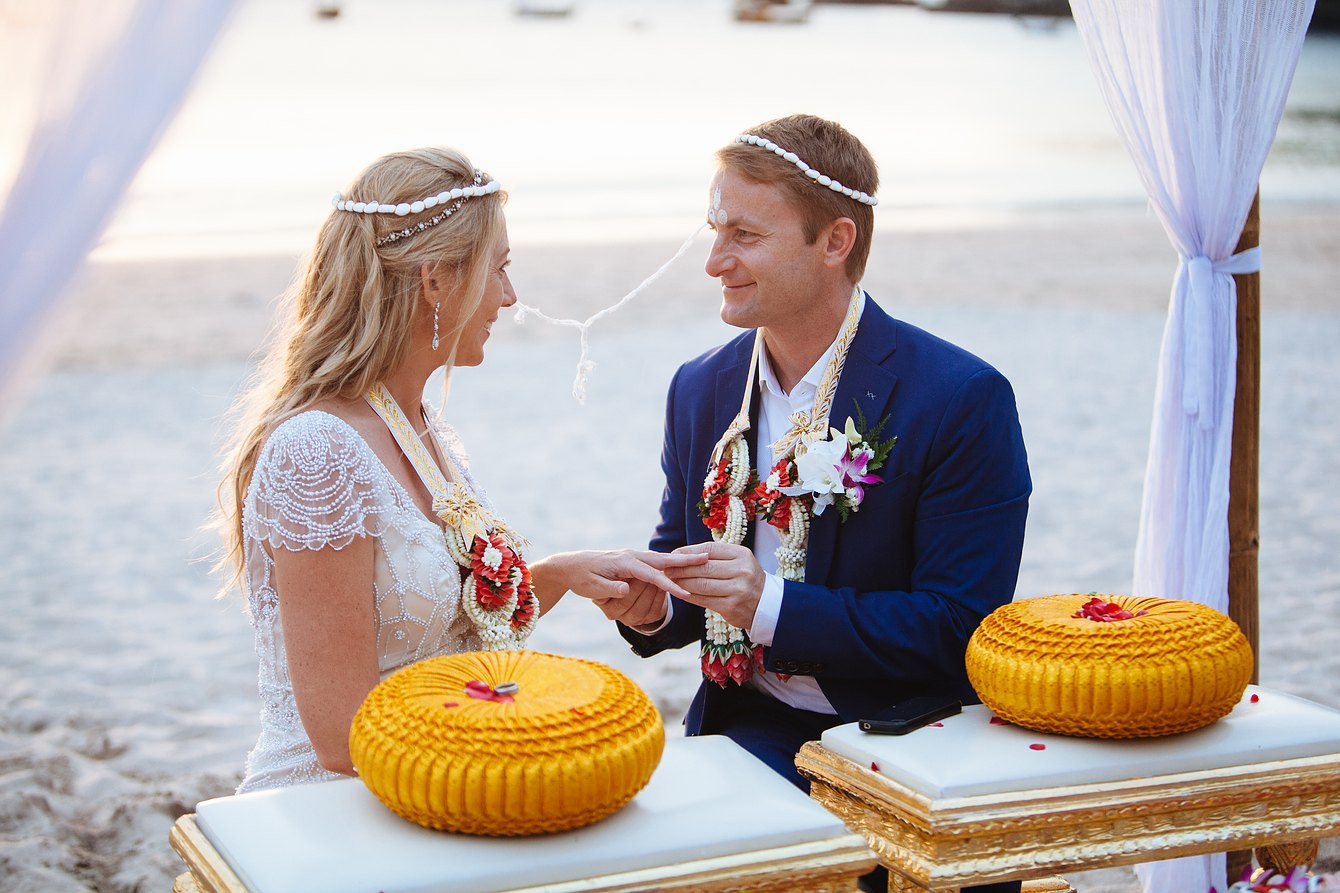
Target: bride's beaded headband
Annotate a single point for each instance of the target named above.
(456, 197)
(816, 176)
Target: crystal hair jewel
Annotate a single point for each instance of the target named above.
(456, 197)
(822, 180)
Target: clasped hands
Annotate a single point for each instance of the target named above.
(723, 577)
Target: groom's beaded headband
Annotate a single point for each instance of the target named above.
(820, 179)
(456, 196)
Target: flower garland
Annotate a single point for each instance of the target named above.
(496, 588)
(1262, 880)
(794, 491)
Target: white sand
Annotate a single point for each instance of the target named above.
(129, 692)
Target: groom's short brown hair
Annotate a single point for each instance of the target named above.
(825, 146)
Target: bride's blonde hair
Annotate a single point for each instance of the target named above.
(347, 322)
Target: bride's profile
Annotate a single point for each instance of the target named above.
(349, 514)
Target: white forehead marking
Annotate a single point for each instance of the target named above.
(718, 213)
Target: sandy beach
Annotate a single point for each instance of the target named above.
(1017, 229)
(130, 690)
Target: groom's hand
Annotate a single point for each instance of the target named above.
(730, 582)
(642, 607)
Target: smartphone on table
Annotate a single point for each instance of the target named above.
(910, 714)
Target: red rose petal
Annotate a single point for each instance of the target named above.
(1255, 698)
(997, 721)
(936, 725)
(1037, 747)
(874, 767)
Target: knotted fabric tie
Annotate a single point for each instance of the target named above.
(1197, 370)
(802, 432)
(459, 510)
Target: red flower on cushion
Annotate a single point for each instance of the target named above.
(1101, 611)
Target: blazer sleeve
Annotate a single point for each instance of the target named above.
(686, 624)
(967, 538)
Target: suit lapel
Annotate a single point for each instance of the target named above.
(867, 382)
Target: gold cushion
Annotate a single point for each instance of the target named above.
(1179, 666)
(575, 742)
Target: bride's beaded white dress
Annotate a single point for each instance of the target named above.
(318, 484)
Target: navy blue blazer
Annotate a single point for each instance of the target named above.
(892, 595)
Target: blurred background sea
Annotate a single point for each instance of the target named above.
(602, 123)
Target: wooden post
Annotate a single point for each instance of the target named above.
(1243, 509)
(1244, 467)
(1244, 471)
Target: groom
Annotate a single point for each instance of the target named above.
(846, 569)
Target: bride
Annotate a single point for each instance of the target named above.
(350, 516)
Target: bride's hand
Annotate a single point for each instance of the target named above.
(605, 577)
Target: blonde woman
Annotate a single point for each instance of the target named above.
(351, 519)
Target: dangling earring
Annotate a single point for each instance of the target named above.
(436, 308)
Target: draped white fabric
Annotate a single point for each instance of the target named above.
(1196, 89)
(113, 74)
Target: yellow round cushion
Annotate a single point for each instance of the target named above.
(1179, 666)
(576, 741)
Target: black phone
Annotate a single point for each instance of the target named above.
(911, 714)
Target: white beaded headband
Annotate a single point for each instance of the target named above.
(820, 179)
(456, 196)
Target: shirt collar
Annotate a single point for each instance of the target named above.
(767, 380)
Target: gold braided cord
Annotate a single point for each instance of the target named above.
(453, 504)
(806, 427)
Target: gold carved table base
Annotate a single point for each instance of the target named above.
(942, 845)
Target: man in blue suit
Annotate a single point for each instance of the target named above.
(833, 588)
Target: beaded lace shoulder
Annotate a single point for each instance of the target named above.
(317, 483)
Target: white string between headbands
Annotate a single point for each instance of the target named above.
(819, 178)
(584, 363)
(456, 196)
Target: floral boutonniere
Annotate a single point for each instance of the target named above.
(837, 470)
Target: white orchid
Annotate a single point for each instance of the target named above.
(820, 471)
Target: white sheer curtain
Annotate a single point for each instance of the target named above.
(1196, 89)
(108, 78)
